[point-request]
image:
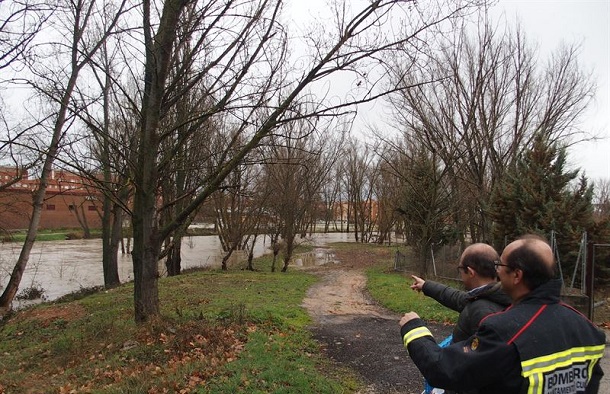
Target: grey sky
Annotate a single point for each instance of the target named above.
(549, 22)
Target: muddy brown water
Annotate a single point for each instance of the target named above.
(63, 267)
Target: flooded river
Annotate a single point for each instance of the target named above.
(63, 267)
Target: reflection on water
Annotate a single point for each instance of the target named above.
(63, 267)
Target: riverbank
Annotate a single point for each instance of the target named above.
(58, 268)
(226, 332)
(63, 234)
(235, 331)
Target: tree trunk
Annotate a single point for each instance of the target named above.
(225, 259)
(146, 237)
(112, 239)
(146, 250)
(81, 218)
(288, 252)
(250, 266)
(6, 299)
(274, 260)
(84, 225)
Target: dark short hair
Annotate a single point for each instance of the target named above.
(482, 262)
(536, 271)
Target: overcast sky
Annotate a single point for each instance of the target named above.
(548, 22)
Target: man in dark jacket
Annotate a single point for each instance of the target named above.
(537, 345)
(483, 296)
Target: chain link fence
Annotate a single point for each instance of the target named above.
(443, 262)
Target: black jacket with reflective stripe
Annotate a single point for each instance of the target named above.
(536, 346)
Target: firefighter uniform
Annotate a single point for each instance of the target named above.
(537, 346)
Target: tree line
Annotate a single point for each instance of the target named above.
(234, 110)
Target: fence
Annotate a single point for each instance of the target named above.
(574, 291)
(443, 261)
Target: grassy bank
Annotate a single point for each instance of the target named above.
(220, 332)
(62, 234)
(49, 235)
(391, 289)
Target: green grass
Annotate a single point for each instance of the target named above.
(219, 332)
(392, 290)
(50, 235)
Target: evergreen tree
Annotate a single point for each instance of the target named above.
(537, 195)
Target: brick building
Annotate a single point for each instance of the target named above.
(69, 201)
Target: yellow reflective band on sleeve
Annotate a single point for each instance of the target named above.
(535, 369)
(414, 334)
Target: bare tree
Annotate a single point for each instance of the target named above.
(298, 165)
(238, 71)
(109, 127)
(489, 99)
(387, 191)
(360, 174)
(58, 88)
(20, 22)
(238, 210)
(331, 197)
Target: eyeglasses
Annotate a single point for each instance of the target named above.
(499, 264)
(463, 268)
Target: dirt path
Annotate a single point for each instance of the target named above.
(340, 296)
(360, 334)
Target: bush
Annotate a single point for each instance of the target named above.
(34, 292)
(73, 235)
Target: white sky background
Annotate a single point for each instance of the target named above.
(547, 23)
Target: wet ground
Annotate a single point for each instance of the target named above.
(356, 332)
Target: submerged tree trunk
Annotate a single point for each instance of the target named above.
(173, 263)
(111, 238)
(288, 252)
